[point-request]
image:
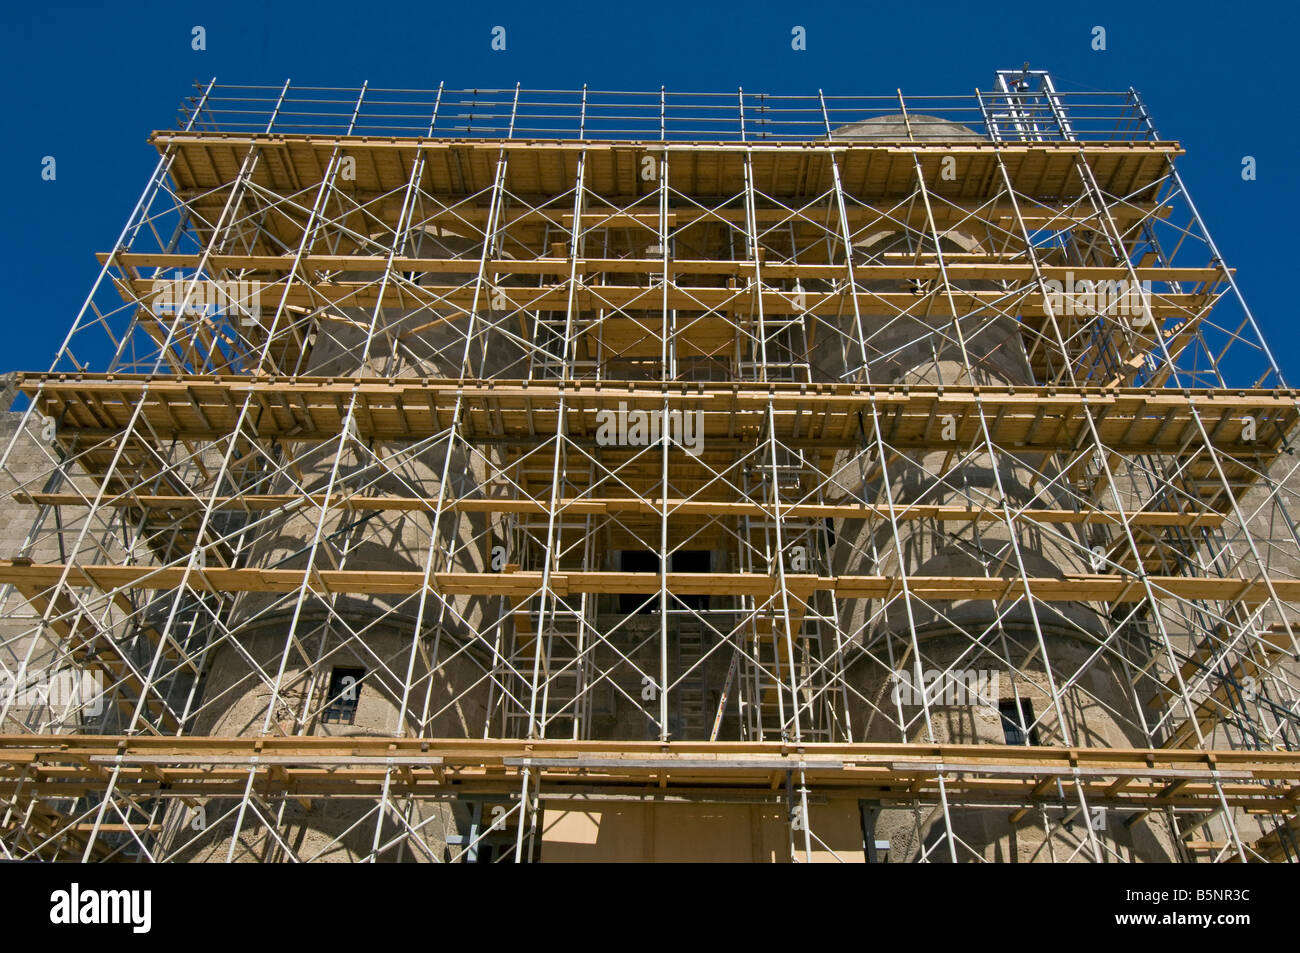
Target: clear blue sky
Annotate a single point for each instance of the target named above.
(86, 83)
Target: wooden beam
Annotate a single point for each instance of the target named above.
(455, 301)
(1129, 420)
(374, 264)
(1069, 587)
(72, 765)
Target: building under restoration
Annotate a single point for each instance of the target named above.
(508, 475)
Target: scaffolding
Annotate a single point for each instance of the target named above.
(866, 478)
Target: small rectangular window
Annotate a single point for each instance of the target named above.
(343, 694)
(1016, 712)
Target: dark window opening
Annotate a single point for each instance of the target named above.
(692, 560)
(638, 560)
(645, 560)
(344, 692)
(1016, 712)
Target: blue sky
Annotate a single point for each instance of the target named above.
(87, 83)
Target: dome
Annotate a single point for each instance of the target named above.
(916, 127)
